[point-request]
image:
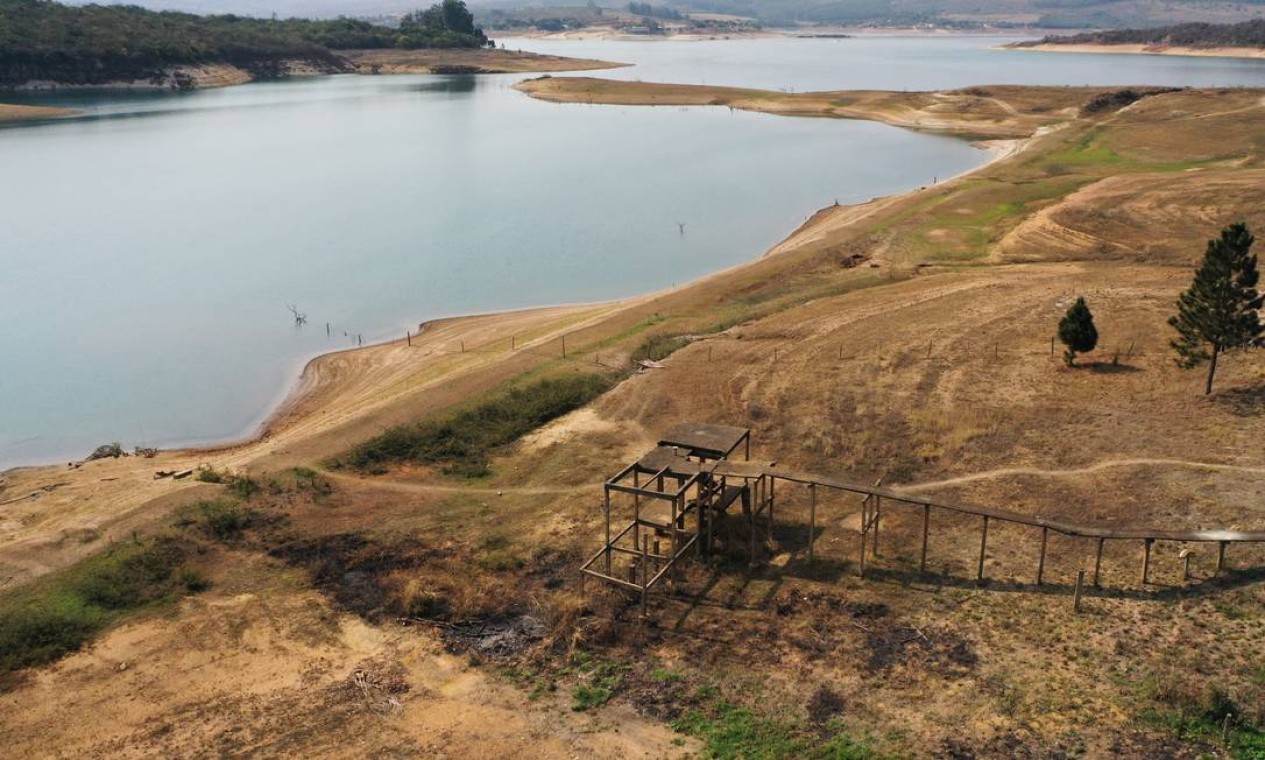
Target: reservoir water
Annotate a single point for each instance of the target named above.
(149, 247)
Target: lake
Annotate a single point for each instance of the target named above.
(151, 246)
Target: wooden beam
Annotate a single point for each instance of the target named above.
(1221, 545)
(608, 531)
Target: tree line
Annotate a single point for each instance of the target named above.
(43, 39)
(1197, 35)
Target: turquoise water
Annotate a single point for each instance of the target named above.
(150, 247)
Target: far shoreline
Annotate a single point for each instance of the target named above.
(1141, 49)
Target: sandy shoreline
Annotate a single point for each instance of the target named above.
(1215, 52)
(12, 113)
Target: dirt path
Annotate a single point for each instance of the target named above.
(407, 486)
(1006, 472)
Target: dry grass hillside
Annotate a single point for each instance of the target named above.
(416, 612)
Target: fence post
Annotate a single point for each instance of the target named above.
(926, 529)
(812, 519)
(1146, 561)
(1045, 536)
(1098, 563)
(983, 545)
(1080, 583)
(1220, 557)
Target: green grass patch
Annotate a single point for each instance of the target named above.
(60, 613)
(463, 442)
(730, 732)
(599, 681)
(659, 347)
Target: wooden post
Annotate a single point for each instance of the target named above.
(1186, 555)
(564, 346)
(812, 519)
(1225, 730)
(1221, 556)
(865, 516)
(1146, 562)
(645, 579)
(709, 353)
(1098, 563)
(1045, 536)
(608, 530)
(1080, 583)
(878, 514)
(983, 545)
(755, 507)
(926, 531)
(636, 509)
(1051, 345)
(676, 533)
(407, 336)
(772, 500)
(841, 351)
(463, 346)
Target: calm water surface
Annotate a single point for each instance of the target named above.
(150, 247)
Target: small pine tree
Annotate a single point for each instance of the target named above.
(1219, 311)
(1077, 331)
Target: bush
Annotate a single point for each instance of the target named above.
(225, 520)
(465, 441)
(61, 612)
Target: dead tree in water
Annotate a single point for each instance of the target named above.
(299, 319)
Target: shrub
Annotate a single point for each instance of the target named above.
(225, 520)
(464, 441)
(63, 611)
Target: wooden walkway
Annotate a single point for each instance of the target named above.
(690, 478)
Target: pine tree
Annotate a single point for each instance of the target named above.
(1077, 331)
(1219, 311)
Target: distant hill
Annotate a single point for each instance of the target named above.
(87, 45)
(1248, 34)
(969, 14)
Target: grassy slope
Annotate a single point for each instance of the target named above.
(925, 373)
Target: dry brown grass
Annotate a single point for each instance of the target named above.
(933, 366)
